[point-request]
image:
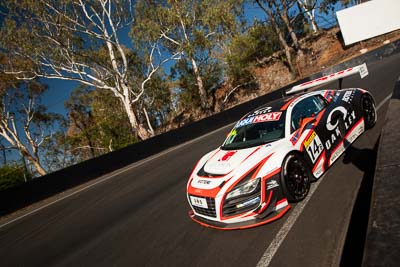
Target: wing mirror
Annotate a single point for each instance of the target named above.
(306, 121)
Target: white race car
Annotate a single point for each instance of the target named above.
(273, 154)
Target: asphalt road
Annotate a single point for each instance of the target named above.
(138, 217)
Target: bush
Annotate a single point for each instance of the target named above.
(11, 176)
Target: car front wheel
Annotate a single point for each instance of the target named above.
(295, 178)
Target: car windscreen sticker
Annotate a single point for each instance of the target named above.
(260, 112)
(231, 136)
(244, 122)
(272, 116)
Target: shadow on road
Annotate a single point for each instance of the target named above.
(364, 160)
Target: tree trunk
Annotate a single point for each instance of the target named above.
(200, 85)
(284, 44)
(312, 21)
(38, 167)
(278, 31)
(151, 130)
(309, 13)
(34, 161)
(285, 18)
(141, 131)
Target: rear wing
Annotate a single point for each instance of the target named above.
(362, 69)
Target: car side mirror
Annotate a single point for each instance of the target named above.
(306, 121)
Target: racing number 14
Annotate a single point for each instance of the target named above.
(315, 149)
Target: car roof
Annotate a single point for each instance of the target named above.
(277, 105)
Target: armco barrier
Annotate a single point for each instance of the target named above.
(56, 182)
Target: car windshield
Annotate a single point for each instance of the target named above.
(254, 134)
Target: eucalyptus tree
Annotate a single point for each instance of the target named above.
(268, 7)
(79, 41)
(96, 124)
(196, 29)
(25, 124)
(309, 7)
(283, 8)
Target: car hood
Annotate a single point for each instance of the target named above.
(226, 161)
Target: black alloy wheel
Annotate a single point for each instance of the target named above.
(369, 111)
(295, 177)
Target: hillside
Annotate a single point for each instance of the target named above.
(322, 50)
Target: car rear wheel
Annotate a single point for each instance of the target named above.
(295, 178)
(369, 111)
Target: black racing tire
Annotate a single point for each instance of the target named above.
(369, 111)
(295, 178)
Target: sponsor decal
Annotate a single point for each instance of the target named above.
(309, 139)
(273, 116)
(337, 153)
(203, 182)
(329, 125)
(244, 122)
(336, 133)
(318, 172)
(295, 137)
(348, 96)
(227, 156)
(272, 184)
(314, 147)
(260, 111)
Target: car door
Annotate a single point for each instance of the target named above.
(337, 121)
(311, 109)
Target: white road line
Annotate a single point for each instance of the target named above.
(112, 175)
(384, 101)
(280, 236)
(273, 247)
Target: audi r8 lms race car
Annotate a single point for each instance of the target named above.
(272, 154)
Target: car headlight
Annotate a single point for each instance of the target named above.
(244, 189)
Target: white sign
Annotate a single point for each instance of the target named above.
(370, 19)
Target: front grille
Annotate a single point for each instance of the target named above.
(210, 212)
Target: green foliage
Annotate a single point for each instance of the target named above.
(11, 176)
(158, 100)
(25, 123)
(185, 82)
(97, 124)
(327, 6)
(258, 42)
(199, 31)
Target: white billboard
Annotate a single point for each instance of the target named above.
(368, 20)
